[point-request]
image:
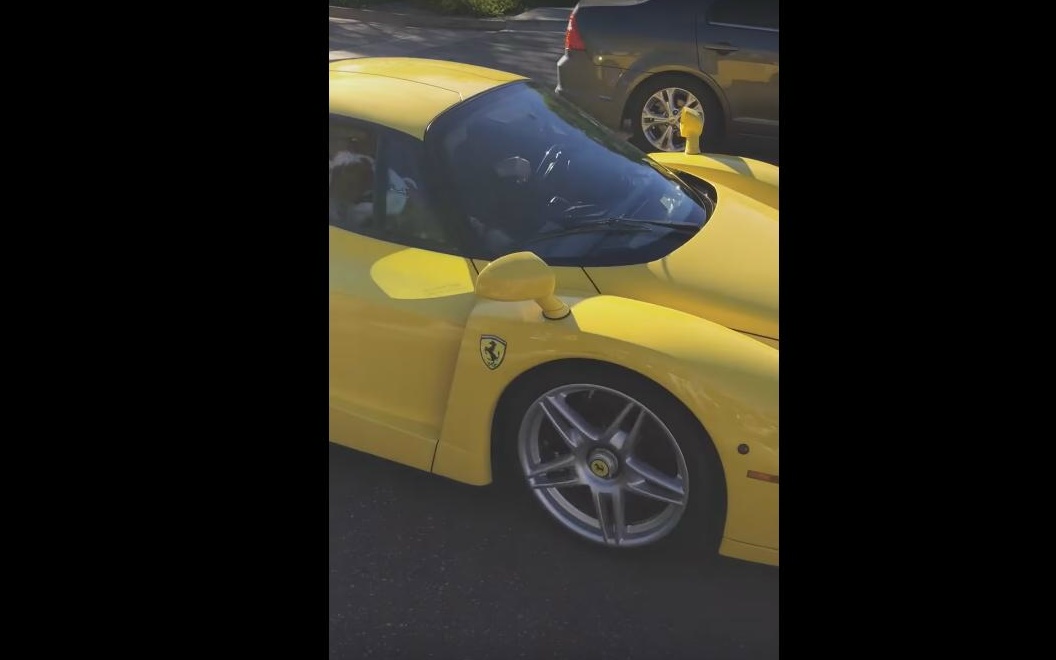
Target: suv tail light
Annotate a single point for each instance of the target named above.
(572, 39)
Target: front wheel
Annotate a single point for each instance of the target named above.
(614, 459)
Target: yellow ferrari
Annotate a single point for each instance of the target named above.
(519, 295)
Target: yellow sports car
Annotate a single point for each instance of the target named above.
(519, 295)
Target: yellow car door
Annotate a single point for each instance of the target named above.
(398, 300)
(399, 295)
(396, 319)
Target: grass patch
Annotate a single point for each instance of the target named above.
(489, 7)
(472, 7)
(357, 4)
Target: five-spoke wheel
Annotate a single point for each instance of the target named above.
(615, 460)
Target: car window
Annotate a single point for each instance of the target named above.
(409, 216)
(745, 13)
(353, 151)
(377, 188)
(526, 170)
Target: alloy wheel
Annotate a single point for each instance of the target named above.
(603, 465)
(660, 114)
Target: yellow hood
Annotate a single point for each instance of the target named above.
(727, 273)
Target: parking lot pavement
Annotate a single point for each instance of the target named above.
(424, 567)
(349, 38)
(531, 53)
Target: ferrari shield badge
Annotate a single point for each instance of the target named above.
(492, 351)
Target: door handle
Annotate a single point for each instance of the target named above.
(722, 48)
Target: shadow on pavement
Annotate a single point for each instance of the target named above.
(424, 567)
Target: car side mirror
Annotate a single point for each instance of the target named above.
(691, 126)
(522, 276)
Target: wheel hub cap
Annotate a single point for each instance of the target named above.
(603, 463)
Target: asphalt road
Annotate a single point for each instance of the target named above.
(529, 53)
(424, 567)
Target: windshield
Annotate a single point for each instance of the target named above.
(526, 170)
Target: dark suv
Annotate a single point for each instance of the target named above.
(634, 64)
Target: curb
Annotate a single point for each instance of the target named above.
(454, 22)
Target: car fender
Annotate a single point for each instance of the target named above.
(754, 178)
(726, 379)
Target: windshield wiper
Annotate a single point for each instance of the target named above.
(613, 224)
(684, 227)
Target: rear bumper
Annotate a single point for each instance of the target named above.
(595, 89)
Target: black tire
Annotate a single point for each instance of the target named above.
(714, 123)
(698, 530)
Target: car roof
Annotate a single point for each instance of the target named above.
(406, 93)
